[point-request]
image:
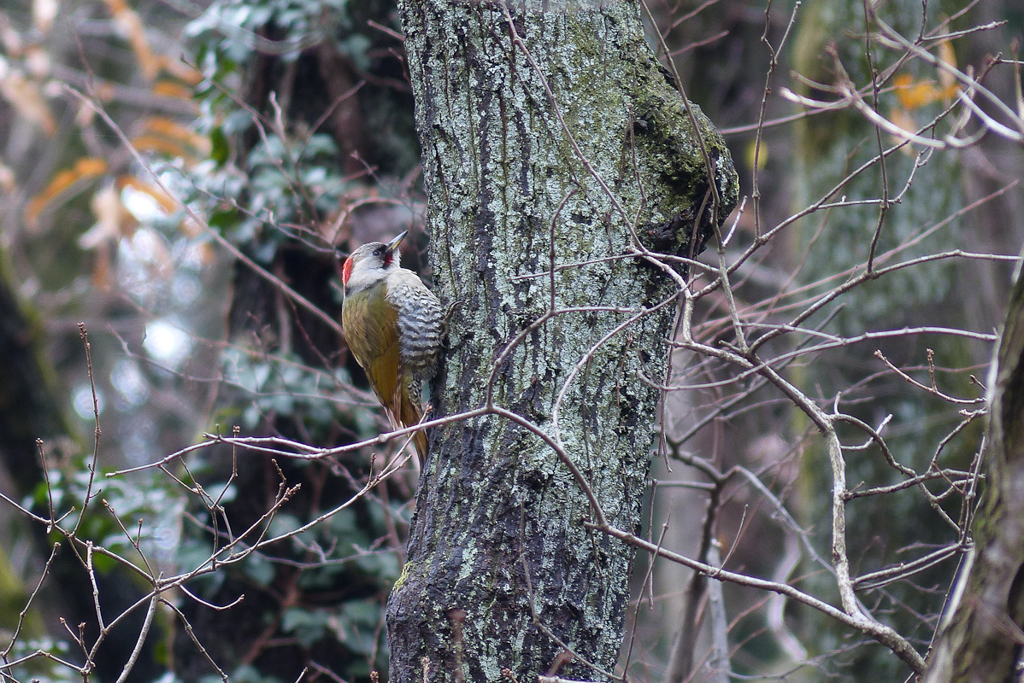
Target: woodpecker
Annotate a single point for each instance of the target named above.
(393, 325)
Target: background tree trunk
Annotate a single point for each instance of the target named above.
(981, 640)
(538, 126)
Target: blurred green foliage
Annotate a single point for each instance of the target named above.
(277, 170)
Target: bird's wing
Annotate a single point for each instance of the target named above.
(371, 329)
(410, 412)
(373, 340)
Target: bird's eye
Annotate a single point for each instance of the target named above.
(377, 252)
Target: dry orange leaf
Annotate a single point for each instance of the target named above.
(174, 130)
(181, 70)
(913, 95)
(154, 143)
(916, 94)
(86, 168)
(947, 55)
(169, 137)
(172, 89)
(132, 28)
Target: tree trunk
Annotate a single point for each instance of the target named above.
(548, 136)
(981, 640)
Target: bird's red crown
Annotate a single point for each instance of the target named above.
(346, 271)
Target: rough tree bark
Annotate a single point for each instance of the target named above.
(981, 639)
(549, 131)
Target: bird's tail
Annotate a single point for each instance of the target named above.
(405, 411)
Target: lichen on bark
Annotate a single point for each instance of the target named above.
(574, 134)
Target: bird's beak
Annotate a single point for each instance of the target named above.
(393, 244)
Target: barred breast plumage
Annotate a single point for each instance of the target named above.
(420, 322)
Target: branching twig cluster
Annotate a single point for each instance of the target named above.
(230, 545)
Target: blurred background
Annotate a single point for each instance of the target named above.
(177, 180)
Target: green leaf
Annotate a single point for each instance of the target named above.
(220, 150)
(259, 569)
(308, 626)
(357, 625)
